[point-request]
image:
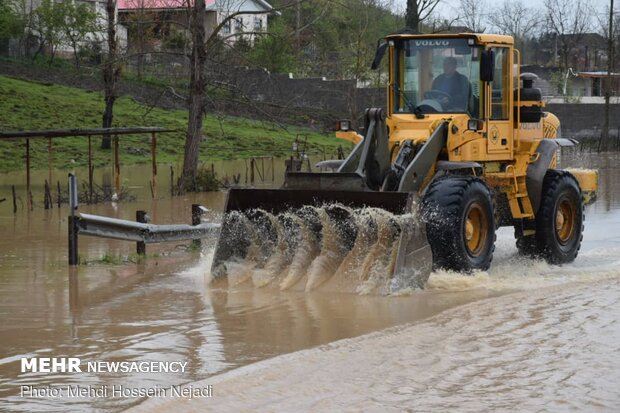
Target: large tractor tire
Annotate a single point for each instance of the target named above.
(526, 245)
(559, 221)
(460, 223)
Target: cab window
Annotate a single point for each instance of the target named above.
(438, 75)
(499, 86)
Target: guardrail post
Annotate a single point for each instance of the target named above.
(197, 211)
(140, 245)
(73, 240)
(72, 222)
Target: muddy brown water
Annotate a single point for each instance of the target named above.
(163, 309)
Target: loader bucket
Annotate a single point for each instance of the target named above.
(262, 224)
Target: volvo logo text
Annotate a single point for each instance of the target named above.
(432, 43)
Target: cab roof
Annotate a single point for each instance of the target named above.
(481, 38)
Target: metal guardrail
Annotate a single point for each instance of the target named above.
(140, 232)
(105, 227)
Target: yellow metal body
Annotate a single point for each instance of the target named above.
(350, 136)
(588, 182)
(504, 147)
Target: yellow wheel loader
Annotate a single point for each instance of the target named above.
(464, 147)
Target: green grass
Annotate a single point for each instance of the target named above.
(26, 105)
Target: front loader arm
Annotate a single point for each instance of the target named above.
(420, 166)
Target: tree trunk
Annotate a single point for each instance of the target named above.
(196, 102)
(111, 73)
(412, 18)
(76, 55)
(298, 26)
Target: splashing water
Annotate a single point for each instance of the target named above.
(307, 249)
(379, 263)
(333, 251)
(287, 230)
(347, 276)
(329, 247)
(240, 270)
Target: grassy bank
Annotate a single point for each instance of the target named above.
(28, 105)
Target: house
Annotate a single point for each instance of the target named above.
(164, 24)
(99, 8)
(587, 51)
(34, 39)
(593, 83)
(251, 18)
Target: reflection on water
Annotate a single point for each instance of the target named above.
(554, 349)
(162, 309)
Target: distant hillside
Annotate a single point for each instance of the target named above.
(30, 105)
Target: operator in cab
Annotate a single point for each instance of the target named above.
(453, 84)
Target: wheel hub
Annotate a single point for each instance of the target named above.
(565, 221)
(475, 229)
(469, 230)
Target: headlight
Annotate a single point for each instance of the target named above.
(343, 125)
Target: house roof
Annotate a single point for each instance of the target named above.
(239, 5)
(156, 4)
(214, 5)
(597, 74)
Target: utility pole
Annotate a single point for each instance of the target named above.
(610, 66)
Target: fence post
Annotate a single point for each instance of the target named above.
(117, 167)
(140, 245)
(90, 171)
(28, 190)
(14, 199)
(47, 198)
(154, 164)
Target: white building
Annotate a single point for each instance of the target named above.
(250, 17)
(239, 16)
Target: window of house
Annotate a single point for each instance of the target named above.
(226, 27)
(239, 25)
(258, 24)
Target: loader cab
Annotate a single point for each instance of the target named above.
(436, 75)
(458, 74)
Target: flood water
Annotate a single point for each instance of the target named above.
(519, 335)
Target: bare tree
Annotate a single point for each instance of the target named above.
(515, 19)
(568, 20)
(473, 14)
(111, 72)
(198, 81)
(197, 91)
(418, 11)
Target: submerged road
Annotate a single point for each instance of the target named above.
(557, 348)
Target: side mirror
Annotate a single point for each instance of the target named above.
(487, 65)
(381, 48)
